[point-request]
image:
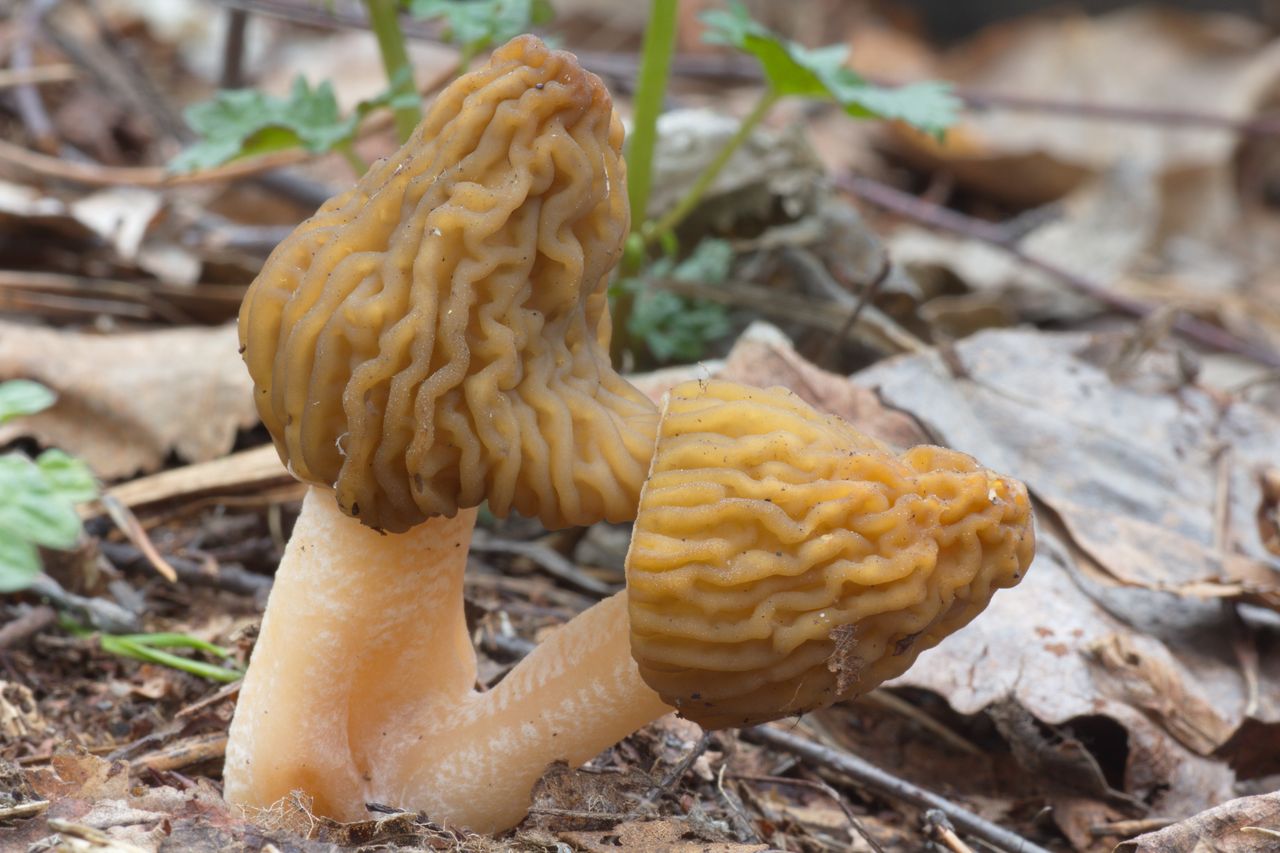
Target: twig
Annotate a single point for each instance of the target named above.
(98, 175)
(21, 810)
(897, 705)
(101, 614)
(552, 562)
(888, 785)
(114, 62)
(133, 530)
(944, 219)
(806, 261)
(37, 75)
(30, 106)
(184, 753)
(677, 772)
(1130, 828)
(1264, 125)
(229, 578)
(830, 792)
(28, 624)
(232, 76)
(738, 813)
(940, 831)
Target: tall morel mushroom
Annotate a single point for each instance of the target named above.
(434, 338)
(438, 337)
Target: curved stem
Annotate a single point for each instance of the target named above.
(651, 88)
(361, 687)
(384, 18)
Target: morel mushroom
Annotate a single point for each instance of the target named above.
(782, 560)
(434, 338)
(438, 336)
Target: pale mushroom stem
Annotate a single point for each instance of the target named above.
(362, 685)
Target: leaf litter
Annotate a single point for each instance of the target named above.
(1130, 686)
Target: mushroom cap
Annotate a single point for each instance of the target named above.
(782, 560)
(438, 335)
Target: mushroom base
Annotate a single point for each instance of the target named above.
(362, 685)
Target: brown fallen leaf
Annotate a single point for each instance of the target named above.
(1246, 825)
(1226, 63)
(1142, 501)
(126, 401)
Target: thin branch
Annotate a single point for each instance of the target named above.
(550, 561)
(30, 106)
(27, 625)
(933, 215)
(885, 784)
(232, 76)
(1263, 125)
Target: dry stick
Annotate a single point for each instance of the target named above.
(30, 106)
(28, 624)
(873, 778)
(232, 76)
(228, 578)
(36, 75)
(550, 561)
(1264, 125)
(103, 615)
(944, 219)
(830, 792)
(677, 772)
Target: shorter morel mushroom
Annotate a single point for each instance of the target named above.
(782, 560)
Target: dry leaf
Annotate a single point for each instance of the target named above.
(1149, 501)
(1172, 60)
(126, 401)
(1246, 825)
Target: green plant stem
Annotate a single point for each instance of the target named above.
(354, 160)
(668, 224)
(141, 647)
(384, 18)
(651, 90)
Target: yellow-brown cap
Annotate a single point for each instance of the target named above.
(438, 335)
(782, 560)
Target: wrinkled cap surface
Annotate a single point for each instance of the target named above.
(438, 335)
(782, 560)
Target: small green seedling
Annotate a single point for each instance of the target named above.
(38, 496)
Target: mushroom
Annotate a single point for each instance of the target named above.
(431, 339)
(782, 560)
(437, 337)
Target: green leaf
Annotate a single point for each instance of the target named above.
(676, 328)
(709, 263)
(32, 508)
(68, 476)
(20, 397)
(19, 562)
(475, 25)
(822, 73)
(242, 122)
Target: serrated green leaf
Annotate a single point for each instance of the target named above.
(709, 263)
(475, 25)
(69, 477)
(241, 122)
(31, 508)
(677, 328)
(19, 562)
(791, 69)
(20, 397)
